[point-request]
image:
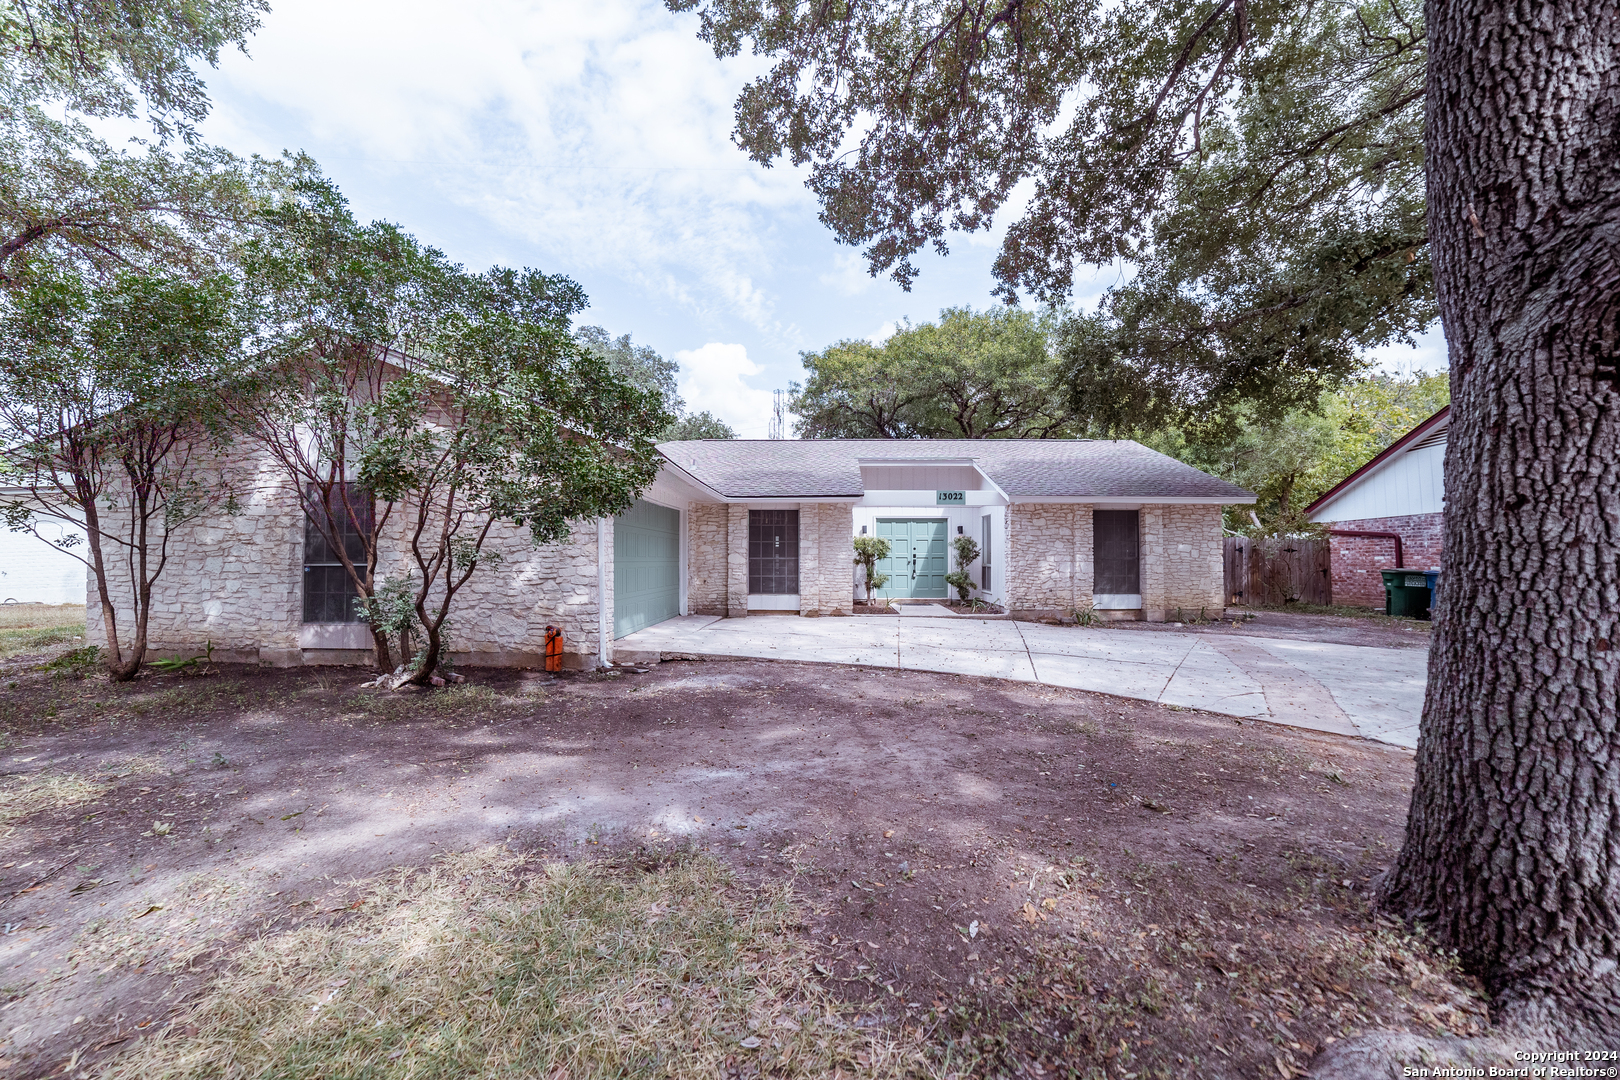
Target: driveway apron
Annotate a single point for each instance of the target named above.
(1343, 689)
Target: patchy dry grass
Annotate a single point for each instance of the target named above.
(28, 628)
(1194, 996)
(22, 796)
(489, 964)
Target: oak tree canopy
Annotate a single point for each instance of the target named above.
(1254, 168)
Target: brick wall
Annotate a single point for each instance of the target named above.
(1358, 560)
(706, 563)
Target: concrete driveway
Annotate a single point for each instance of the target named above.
(1345, 689)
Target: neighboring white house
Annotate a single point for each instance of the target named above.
(1401, 491)
(33, 571)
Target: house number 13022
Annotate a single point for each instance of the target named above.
(950, 498)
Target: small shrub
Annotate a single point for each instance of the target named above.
(868, 550)
(967, 550)
(78, 663)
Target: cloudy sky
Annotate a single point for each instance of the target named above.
(592, 140)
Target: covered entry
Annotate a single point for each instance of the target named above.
(917, 562)
(1116, 560)
(646, 567)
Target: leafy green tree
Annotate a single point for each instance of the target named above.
(972, 375)
(1288, 461)
(642, 366)
(869, 551)
(1372, 412)
(421, 407)
(703, 425)
(1258, 166)
(109, 422)
(506, 420)
(67, 195)
(331, 299)
(119, 58)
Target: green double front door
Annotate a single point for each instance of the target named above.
(918, 560)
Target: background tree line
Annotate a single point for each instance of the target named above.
(1001, 373)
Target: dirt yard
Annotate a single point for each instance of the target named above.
(1023, 880)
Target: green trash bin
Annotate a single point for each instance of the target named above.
(1406, 593)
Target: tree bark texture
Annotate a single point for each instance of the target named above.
(1512, 850)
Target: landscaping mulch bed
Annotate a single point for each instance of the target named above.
(981, 609)
(999, 878)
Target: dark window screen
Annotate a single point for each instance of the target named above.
(329, 591)
(1116, 562)
(773, 552)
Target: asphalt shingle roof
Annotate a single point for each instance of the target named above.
(1027, 468)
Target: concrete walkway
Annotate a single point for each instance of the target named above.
(1344, 689)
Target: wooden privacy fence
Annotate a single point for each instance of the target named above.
(1274, 571)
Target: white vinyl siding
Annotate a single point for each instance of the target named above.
(34, 572)
(1410, 482)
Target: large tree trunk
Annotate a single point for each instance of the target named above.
(1512, 849)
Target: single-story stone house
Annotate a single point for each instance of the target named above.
(732, 527)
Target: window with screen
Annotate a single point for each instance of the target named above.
(773, 552)
(329, 591)
(984, 554)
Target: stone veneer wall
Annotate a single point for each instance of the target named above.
(1181, 561)
(826, 554)
(736, 560)
(236, 582)
(1049, 559)
(706, 558)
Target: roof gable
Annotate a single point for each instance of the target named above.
(1428, 433)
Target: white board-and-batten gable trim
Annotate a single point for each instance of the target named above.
(1404, 480)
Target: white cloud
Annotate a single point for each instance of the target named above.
(849, 276)
(884, 332)
(712, 379)
(1398, 358)
(597, 133)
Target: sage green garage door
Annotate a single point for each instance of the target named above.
(646, 567)
(917, 561)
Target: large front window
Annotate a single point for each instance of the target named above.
(329, 590)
